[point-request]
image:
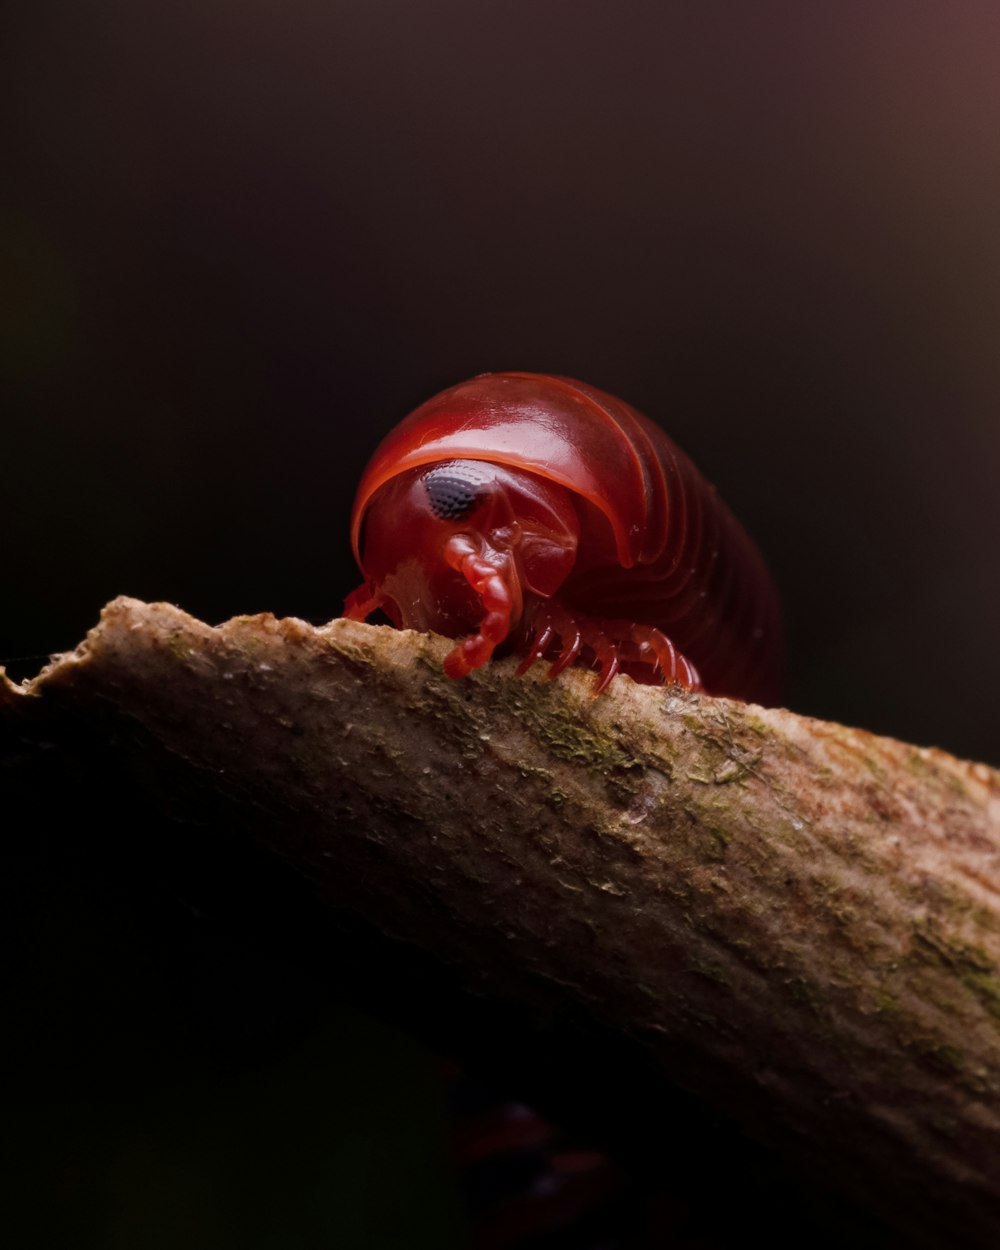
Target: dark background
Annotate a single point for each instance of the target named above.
(241, 240)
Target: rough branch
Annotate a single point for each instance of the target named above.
(797, 921)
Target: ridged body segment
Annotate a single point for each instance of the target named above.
(700, 578)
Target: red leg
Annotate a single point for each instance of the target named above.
(360, 603)
(538, 644)
(606, 655)
(548, 622)
(656, 649)
(571, 646)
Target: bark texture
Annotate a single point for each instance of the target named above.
(797, 921)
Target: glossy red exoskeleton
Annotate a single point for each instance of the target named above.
(542, 515)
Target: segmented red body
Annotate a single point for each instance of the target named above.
(542, 514)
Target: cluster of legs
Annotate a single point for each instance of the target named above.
(552, 632)
(549, 631)
(546, 630)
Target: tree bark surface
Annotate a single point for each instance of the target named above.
(796, 921)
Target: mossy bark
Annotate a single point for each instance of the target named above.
(797, 921)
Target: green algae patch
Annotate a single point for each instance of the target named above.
(178, 644)
(971, 965)
(719, 840)
(987, 987)
(565, 736)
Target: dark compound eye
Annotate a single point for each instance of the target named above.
(454, 489)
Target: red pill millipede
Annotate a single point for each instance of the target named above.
(537, 514)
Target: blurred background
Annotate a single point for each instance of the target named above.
(240, 241)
